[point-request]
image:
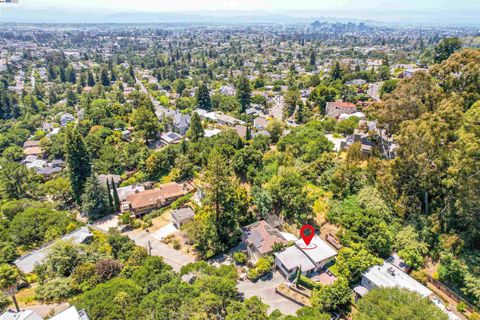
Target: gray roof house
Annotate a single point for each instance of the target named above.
(103, 178)
(48, 171)
(388, 276)
(260, 123)
(180, 121)
(66, 118)
(27, 263)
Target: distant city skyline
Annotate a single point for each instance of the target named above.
(434, 12)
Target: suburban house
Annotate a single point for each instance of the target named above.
(103, 178)
(292, 258)
(364, 139)
(66, 118)
(32, 147)
(123, 192)
(37, 164)
(359, 115)
(241, 130)
(126, 134)
(355, 82)
(22, 315)
(170, 137)
(335, 109)
(259, 237)
(27, 263)
(318, 254)
(179, 122)
(71, 314)
(260, 123)
(321, 252)
(410, 72)
(218, 117)
(227, 90)
(181, 216)
(143, 202)
(255, 110)
(49, 171)
(41, 167)
(31, 143)
(388, 276)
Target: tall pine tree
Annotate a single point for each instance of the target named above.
(116, 199)
(94, 199)
(104, 78)
(203, 98)
(78, 162)
(90, 79)
(111, 208)
(195, 132)
(244, 93)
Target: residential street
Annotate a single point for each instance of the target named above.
(265, 290)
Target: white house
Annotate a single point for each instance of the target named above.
(318, 251)
(71, 314)
(290, 259)
(22, 315)
(388, 276)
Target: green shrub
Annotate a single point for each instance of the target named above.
(309, 284)
(55, 290)
(262, 267)
(176, 244)
(420, 276)
(240, 257)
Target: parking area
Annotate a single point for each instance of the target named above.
(265, 290)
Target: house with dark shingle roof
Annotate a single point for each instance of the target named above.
(259, 237)
(180, 122)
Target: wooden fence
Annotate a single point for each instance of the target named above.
(450, 293)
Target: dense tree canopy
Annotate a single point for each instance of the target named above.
(394, 303)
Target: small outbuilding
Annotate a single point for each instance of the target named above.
(181, 216)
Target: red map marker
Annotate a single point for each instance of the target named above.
(307, 232)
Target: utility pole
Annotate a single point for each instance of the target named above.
(149, 247)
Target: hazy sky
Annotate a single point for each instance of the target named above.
(427, 12)
(192, 5)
